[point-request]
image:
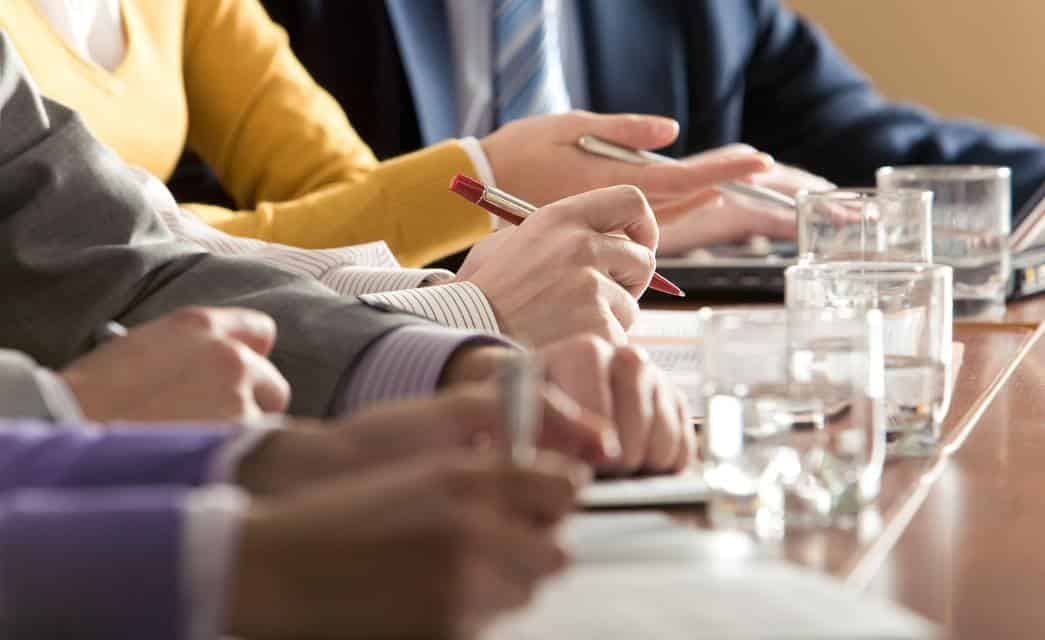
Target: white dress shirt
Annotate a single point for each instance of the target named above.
(471, 26)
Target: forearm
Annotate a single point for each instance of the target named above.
(129, 570)
(406, 202)
(41, 455)
(302, 176)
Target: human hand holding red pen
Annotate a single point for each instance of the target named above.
(568, 270)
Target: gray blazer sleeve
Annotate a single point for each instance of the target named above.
(20, 393)
(81, 244)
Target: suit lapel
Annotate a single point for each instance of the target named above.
(424, 42)
(636, 58)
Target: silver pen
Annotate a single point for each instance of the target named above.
(520, 388)
(600, 147)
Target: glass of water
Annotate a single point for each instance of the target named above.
(794, 429)
(917, 315)
(865, 224)
(971, 223)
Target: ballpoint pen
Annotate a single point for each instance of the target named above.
(108, 331)
(600, 147)
(513, 210)
(520, 380)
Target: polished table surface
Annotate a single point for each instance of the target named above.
(960, 537)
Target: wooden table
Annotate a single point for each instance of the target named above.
(960, 537)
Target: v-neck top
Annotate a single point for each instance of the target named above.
(94, 28)
(220, 77)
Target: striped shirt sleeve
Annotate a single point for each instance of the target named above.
(405, 363)
(461, 305)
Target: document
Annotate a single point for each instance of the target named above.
(641, 575)
(687, 487)
(673, 342)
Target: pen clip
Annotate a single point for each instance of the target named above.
(520, 388)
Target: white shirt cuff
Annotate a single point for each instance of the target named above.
(224, 465)
(482, 166)
(61, 403)
(211, 524)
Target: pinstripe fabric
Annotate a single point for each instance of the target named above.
(461, 305)
(405, 363)
(369, 271)
(528, 74)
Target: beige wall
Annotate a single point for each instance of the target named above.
(972, 58)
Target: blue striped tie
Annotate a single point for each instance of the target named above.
(528, 75)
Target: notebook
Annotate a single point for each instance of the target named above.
(641, 575)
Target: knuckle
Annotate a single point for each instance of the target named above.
(630, 358)
(228, 358)
(630, 195)
(194, 319)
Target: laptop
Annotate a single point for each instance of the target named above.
(755, 271)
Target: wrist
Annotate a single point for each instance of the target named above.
(290, 459)
(254, 602)
(473, 363)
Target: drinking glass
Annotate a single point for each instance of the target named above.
(971, 223)
(794, 428)
(917, 314)
(865, 224)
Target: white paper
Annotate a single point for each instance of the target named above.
(687, 487)
(643, 576)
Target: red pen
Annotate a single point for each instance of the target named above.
(513, 210)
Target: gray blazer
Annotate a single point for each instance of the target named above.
(80, 245)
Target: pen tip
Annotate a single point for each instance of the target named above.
(469, 189)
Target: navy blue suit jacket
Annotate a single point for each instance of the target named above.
(728, 70)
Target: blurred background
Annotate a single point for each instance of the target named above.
(966, 58)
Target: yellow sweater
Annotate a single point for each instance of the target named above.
(219, 75)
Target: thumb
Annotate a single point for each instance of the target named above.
(630, 130)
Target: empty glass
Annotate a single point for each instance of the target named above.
(971, 223)
(794, 429)
(865, 224)
(916, 305)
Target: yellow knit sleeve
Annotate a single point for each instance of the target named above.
(285, 151)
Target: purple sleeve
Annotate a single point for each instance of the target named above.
(406, 362)
(91, 564)
(35, 454)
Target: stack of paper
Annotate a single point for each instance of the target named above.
(640, 575)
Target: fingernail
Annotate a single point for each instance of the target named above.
(580, 475)
(663, 127)
(610, 444)
(767, 159)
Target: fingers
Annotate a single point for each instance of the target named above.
(263, 384)
(252, 328)
(628, 130)
(536, 495)
(613, 209)
(702, 171)
(580, 366)
(574, 431)
(627, 263)
(633, 406)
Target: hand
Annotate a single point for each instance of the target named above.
(457, 419)
(537, 159)
(192, 364)
(434, 548)
(561, 272)
(619, 383)
(734, 218)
